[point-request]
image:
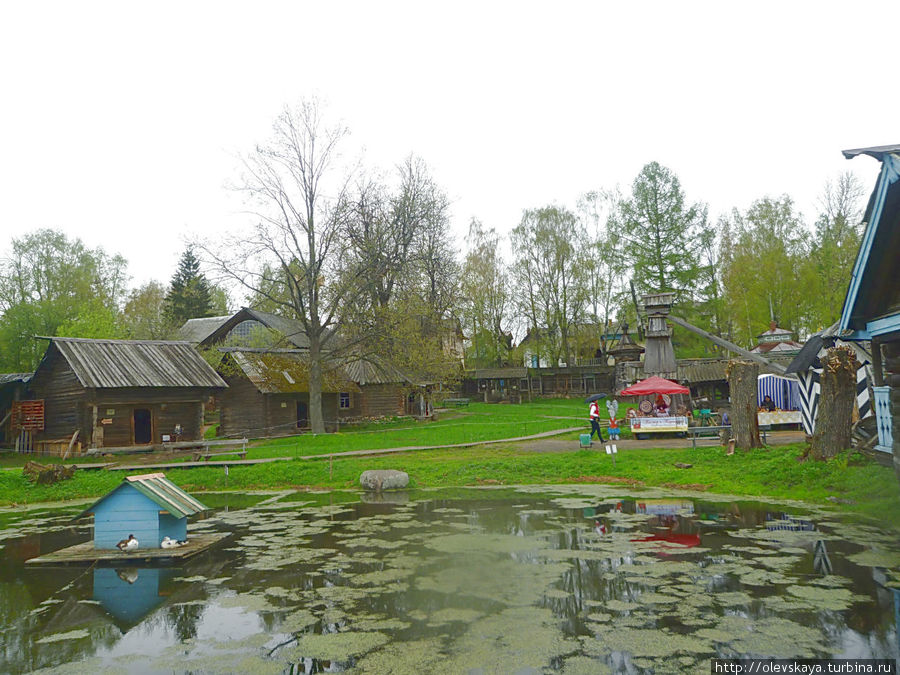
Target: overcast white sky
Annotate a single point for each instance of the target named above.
(120, 122)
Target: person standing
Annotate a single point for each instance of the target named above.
(595, 420)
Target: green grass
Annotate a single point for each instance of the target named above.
(775, 472)
(477, 422)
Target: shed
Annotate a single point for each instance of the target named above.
(12, 388)
(149, 506)
(121, 392)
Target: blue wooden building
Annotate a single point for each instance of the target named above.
(872, 306)
(149, 506)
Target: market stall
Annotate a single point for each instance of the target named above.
(783, 400)
(654, 417)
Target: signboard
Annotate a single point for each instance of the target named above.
(779, 417)
(28, 415)
(660, 424)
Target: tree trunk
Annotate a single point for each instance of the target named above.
(316, 419)
(835, 412)
(742, 376)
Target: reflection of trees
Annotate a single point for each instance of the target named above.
(183, 620)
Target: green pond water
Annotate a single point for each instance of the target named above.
(549, 580)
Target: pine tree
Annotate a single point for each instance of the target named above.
(189, 295)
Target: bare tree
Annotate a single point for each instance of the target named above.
(292, 255)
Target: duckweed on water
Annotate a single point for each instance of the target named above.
(641, 642)
(583, 665)
(836, 599)
(417, 657)
(888, 558)
(333, 646)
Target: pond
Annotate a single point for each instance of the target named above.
(572, 579)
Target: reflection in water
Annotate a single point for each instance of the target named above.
(571, 580)
(131, 593)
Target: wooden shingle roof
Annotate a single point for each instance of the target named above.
(103, 364)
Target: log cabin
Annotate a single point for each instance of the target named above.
(268, 392)
(117, 393)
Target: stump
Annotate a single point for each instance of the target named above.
(47, 474)
(834, 417)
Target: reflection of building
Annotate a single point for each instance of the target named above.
(788, 523)
(665, 507)
(129, 594)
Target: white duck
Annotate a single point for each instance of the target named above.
(172, 543)
(129, 544)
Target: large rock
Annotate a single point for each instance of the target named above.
(384, 479)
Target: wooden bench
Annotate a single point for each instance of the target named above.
(456, 402)
(206, 455)
(714, 432)
(205, 449)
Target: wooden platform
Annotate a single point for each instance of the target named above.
(83, 554)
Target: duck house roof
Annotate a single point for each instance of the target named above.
(159, 489)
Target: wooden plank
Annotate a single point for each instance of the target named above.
(71, 443)
(85, 553)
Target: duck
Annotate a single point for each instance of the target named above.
(128, 575)
(172, 543)
(129, 544)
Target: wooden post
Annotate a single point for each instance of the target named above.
(742, 376)
(834, 416)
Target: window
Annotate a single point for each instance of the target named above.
(344, 401)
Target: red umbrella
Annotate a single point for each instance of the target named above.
(654, 385)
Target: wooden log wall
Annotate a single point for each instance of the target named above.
(64, 399)
(242, 408)
(381, 400)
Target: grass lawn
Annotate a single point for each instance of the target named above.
(775, 472)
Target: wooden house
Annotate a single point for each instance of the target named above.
(115, 393)
(268, 392)
(776, 341)
(149, 506)
(12, 389)
(871, 308)
(247, 328)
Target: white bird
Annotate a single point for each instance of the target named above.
(172, 543)
(128, 575)
(129, 544)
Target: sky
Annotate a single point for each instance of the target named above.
(123, 124)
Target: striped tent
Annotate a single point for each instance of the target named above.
(784, 391)
(807, 366)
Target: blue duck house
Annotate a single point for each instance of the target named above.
(149, 506)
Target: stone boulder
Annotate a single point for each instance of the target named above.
(384, 479)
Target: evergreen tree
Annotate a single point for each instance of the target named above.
(661, 233)
(189, 295)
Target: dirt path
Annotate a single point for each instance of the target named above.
(563, 445)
